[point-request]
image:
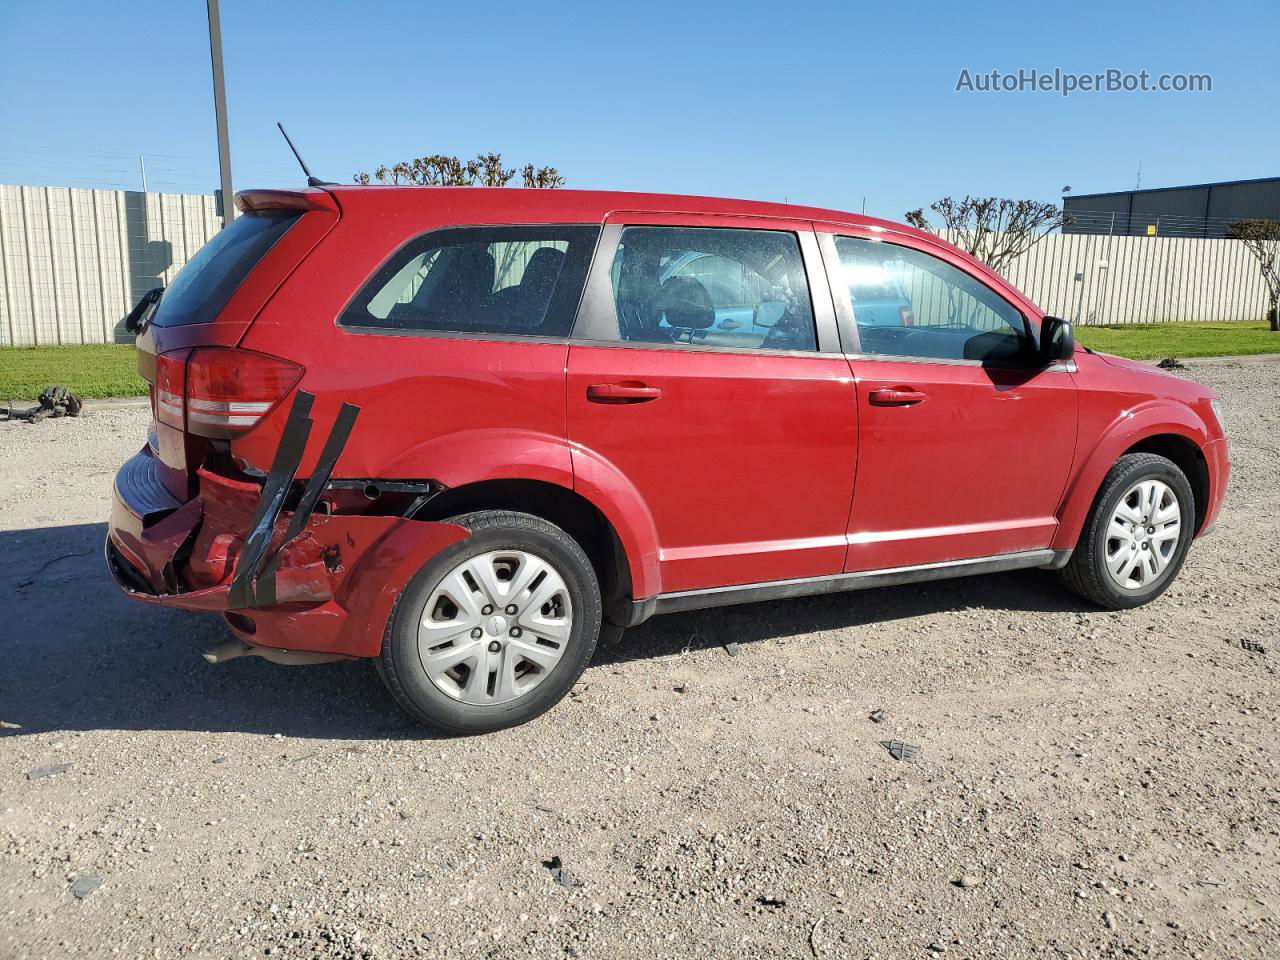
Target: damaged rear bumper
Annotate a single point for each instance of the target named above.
(289, 579)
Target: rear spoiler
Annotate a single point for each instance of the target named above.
(301, 201)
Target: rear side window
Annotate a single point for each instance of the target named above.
(202, 287)
(512, 281)
(712, 287)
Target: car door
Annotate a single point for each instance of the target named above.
(705, 373)
(965, 442)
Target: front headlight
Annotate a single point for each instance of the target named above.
(1217, 412)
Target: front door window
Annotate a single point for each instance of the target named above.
(909, 304)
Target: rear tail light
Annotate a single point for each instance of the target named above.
(907, 318)
(222, 391)
(170, 387)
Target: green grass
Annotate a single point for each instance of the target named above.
(110, 370)
(93, 370)
(1154, 341)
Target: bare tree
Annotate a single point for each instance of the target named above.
(1262, 238)
(439, 170)
(995, 230)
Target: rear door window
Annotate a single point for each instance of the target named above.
(712, 287)
(507, 281)
(202, 287)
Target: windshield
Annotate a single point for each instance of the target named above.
(202, 287)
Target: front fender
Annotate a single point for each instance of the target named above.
(1130, 427)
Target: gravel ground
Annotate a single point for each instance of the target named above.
(1089, 784)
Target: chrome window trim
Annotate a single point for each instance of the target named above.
(1067, 367)
(698, 348)
(448, 335)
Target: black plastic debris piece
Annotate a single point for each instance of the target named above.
(901, 750)
(84, 886)
(39, 773)
(771, 903)
(54, 402)
(1171, 363)
(559, 873)
(733, 648)
(284, 466)
(1253, 646)
(877, 716)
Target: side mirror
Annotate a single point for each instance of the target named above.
(1057, 341)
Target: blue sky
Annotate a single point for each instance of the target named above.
(823, 103)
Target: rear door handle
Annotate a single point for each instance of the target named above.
(622, 393)
(896, 397)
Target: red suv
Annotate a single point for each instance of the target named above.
(463, 431)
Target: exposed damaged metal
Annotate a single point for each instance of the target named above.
(410, 495)
(265, 586)
(321, 560)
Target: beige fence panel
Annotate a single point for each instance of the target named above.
(1097, 279)
(74, 262)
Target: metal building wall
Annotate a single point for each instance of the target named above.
(1240, 200)
(1199, 210)
(74, 262)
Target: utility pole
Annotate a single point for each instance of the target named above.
(220, 112)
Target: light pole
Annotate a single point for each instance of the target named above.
(220, 112)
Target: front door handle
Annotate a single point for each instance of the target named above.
(896, 397)
(622, 393)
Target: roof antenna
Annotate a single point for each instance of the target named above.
(311, 181)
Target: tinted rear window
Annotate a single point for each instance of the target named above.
(508, 281)
(202, 287)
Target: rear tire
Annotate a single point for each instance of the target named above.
(1136, 536)
(495, 629)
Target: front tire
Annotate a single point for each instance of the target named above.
(495, 629)
(1136, 536)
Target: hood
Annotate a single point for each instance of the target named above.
(1140, 366)
(1160, 382)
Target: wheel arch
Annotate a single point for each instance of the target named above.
(569, 510)
(1174, 433)
(519, 468)
(1189, 459)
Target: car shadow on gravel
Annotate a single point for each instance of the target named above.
(1024, 591)
(78, 655)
